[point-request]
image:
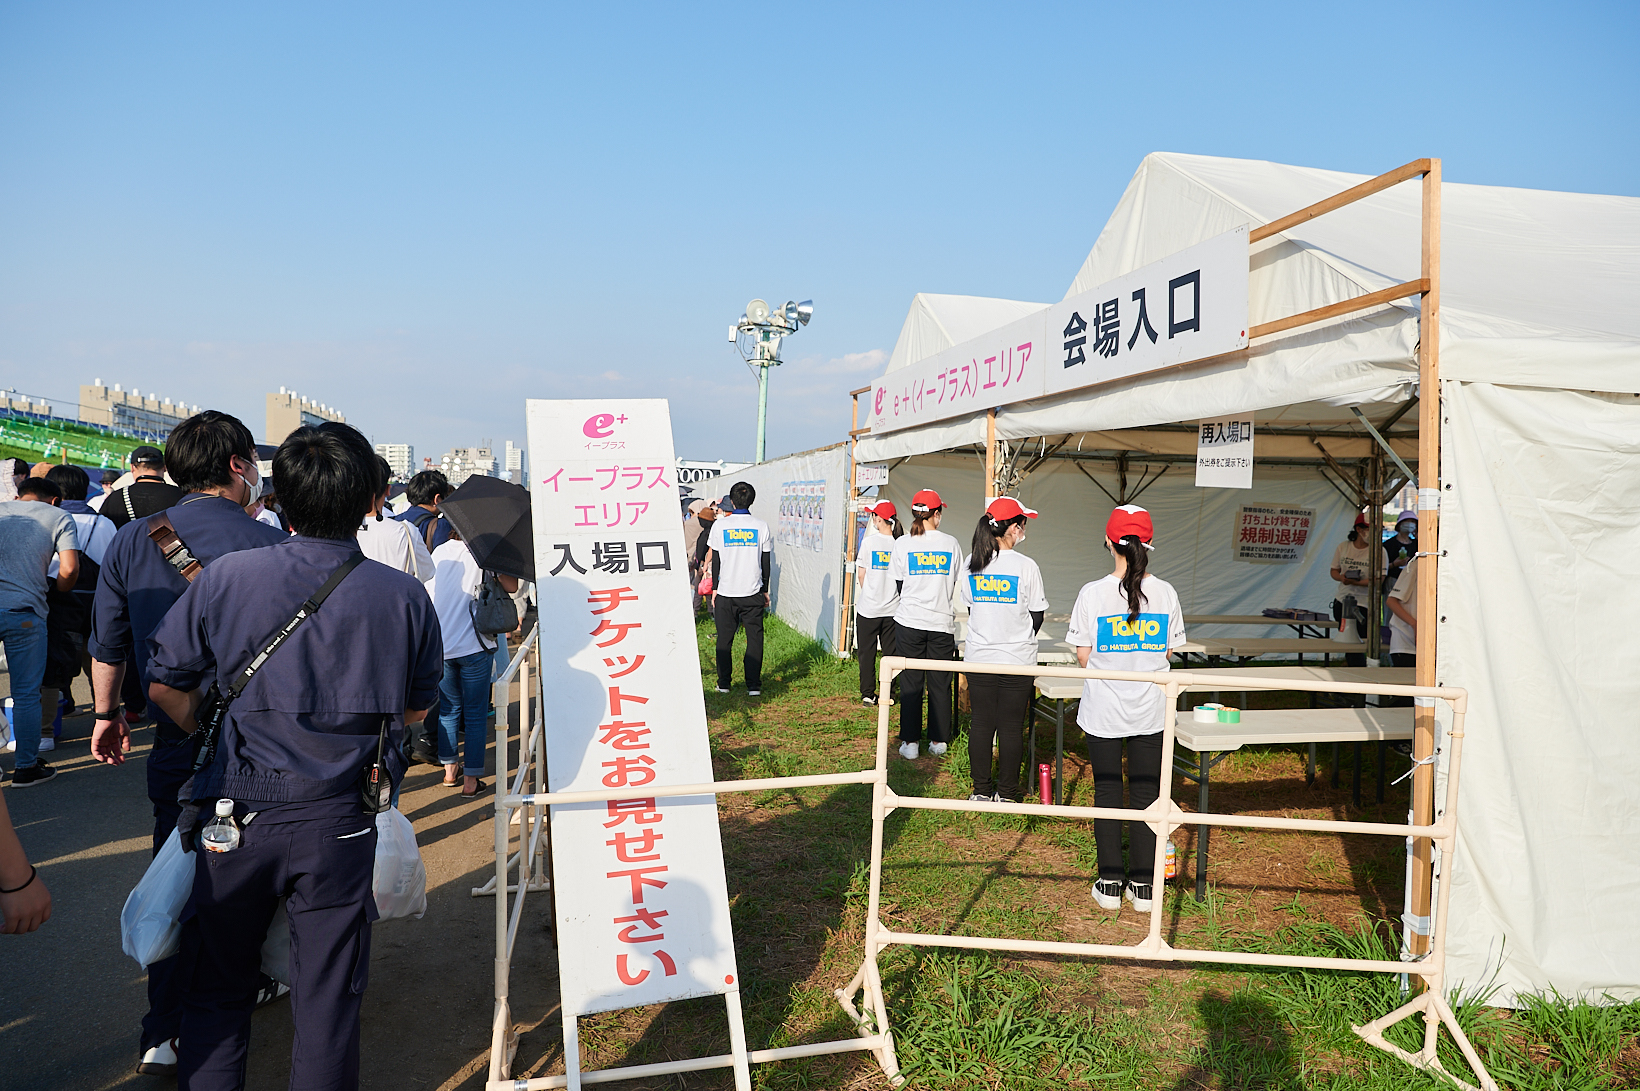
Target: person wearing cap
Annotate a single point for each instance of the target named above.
(1128, 621)
(148, 492)
(742, 559)
(1006, 605)
(1350, 568)
(1401, 547)
(875, 596)
(695, 528)
(925, 566)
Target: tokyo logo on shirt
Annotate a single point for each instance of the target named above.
(918, 563)
(991, 587)
(1146, 633)
(740, 536)
(880, 559)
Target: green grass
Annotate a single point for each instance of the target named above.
(797, 864)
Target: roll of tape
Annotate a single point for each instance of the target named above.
(1229, 715)
(1206, 714)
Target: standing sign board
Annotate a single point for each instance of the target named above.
(1186, 307)
(643, 910)
(1224, 453)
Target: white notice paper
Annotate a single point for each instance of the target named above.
(1224, 453)
(643, 910)
(1272, 535)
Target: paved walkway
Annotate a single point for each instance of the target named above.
(71, 1001)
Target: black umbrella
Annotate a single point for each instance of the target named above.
(493, 518)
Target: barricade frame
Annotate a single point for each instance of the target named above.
(870, 1013)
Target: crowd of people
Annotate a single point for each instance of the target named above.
(286, 650)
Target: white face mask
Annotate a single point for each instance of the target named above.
(254, 484)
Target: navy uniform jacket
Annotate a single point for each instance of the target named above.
(137, 585)
(417, 517)
(309, 720)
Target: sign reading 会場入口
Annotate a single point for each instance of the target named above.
(643, 909)
(1272, 535)
(1186, 307)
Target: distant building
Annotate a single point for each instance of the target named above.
(513, 465)
(401, 459)
(288, 411)
(128, 410)
(464, 462)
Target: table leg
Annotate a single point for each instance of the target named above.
(1059, 753)
(1202, 773)
(1355, 780)
(1029, 780)
(1309, 767)
(1335, 765)
(1383, 762)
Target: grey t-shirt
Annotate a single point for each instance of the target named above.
(30, 534)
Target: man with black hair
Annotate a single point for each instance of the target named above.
(742, 555)
(213, 459)
(32, 530)
(426, 492)
(148, 493)
(322, 707)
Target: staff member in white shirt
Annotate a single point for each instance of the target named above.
(924, 565)
(393, 542)
(1128, 621)
(742, 559)
(1006, 605)
(876, 598)
(1349, 568)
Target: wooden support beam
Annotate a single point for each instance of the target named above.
(990, 455)
(857, 393)
(1346, 306)
(859, 431)
(1349, 196)
(1429, 524)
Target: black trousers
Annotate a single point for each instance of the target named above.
(869, 633)
(325, 866)
(732, 615)
(923, 644)
(1144, 784)
(999, 703)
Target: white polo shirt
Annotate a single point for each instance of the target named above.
(877, 596)
(1402, 640)
(1000, 600)
(1099, 621)
(740, 540)
(926, 565)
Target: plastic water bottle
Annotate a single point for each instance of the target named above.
(221, 834)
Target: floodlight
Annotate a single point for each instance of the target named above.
(757, 312)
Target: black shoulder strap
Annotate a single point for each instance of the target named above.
(308, 608)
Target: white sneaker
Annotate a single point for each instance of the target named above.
(720, 689)
(1107, 893)
(1139, 894)
(47, 744)
(937, 749)
(159, 1061)
(977, 798)
(754, 693)
(908, 751)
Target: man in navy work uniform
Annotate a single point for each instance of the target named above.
(742, 554)
(291, 753)
(213, 459)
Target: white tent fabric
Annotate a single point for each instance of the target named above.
(936, 322)
(1540, 357)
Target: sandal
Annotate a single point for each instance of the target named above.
(452, 776)
(478, 788)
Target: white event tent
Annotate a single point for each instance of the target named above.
(1539, 512)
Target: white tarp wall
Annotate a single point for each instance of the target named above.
(1194, 533)
(807, 572)
(1539, 509)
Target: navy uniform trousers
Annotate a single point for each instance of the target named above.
(325, 866)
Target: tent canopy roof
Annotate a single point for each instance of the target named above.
(936, 322)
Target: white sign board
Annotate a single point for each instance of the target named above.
(1224, 453)
(1272, 535)
(866, 476)
(1186, 307)
(643, 910)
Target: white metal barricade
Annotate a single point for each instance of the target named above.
(870, 1013)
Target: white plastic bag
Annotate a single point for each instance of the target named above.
(150, 923)
(400, 879)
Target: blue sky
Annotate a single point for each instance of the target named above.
(423, 214)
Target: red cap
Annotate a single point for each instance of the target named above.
(883, 509)
(1360, 519)
(1129, 520)
(926, 501)
(1004, 508)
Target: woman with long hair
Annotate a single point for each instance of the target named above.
(924, 566)
(875, 596)
(1128, 621)
(1006, 604)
